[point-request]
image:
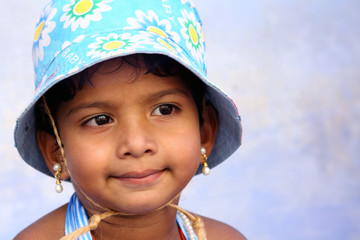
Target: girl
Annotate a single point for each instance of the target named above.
(123, 110)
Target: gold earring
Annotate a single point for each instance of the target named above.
(206, 169)
(57, 169)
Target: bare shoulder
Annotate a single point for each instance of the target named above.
(50, 226)
(219, 230)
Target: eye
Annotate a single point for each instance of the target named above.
(98, 121)
(165, 109)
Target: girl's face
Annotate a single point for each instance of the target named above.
(132, 142)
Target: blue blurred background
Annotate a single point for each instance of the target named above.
(292, 67)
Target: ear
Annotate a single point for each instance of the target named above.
(50, 152)
(209, 128)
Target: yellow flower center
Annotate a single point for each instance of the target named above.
(113, 45)
(38, 30)
(157, 31)
(83, 7)
(193, 35)
(166, 45)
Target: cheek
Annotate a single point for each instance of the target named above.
(186, 153)
(84, 160)
(192, 159)
(188, 147)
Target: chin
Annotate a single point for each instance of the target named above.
(142, 206)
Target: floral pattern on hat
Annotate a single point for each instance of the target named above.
(42, 30)
(159, 42)
(68, 43)
(150, 23)
(113, 44)
(192, 32)
(156, 32)
(81, 12)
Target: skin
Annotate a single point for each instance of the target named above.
(131, 145)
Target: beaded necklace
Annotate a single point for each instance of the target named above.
(189, 231)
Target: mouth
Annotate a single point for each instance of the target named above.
(141, 178)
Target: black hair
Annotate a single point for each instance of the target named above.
(156, 64)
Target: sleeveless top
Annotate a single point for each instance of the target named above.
(76, 217)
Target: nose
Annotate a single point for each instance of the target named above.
(135, 139)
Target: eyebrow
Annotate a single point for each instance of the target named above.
(97, 104)
(172, 91)
(106, 104)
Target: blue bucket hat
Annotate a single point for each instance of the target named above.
(73, 35)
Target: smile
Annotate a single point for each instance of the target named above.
(141, 178)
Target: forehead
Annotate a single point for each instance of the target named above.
(127, 76)
(125, 87)
(135, 64)
(131, 69)
(115, 77)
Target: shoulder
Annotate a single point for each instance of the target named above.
(219, 230)
(50, 226)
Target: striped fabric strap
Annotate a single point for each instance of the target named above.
(76, 217)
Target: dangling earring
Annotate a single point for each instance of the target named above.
(57, 169)
(206, 169)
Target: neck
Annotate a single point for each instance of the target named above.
(160, 224)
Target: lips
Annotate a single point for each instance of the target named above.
(141, 178)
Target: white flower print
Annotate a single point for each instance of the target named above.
(113, 44)
(192, 32)
(150, 23)
(42, 30)
(82, 12)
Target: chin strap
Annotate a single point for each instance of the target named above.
(197, 223)
(93, 224)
